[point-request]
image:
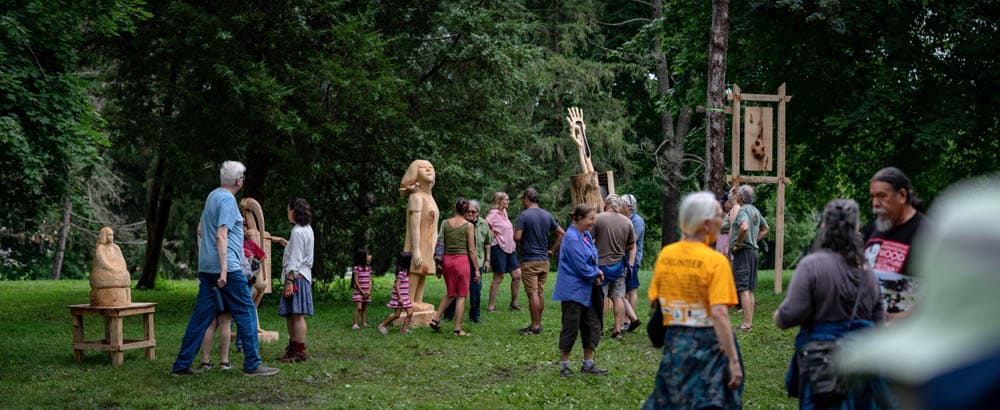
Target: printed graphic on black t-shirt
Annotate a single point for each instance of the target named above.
(888, 254)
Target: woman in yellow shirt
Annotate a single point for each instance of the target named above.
(693, 287)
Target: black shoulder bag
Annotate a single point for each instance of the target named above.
(816, 366)
(654, 328)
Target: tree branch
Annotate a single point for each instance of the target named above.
(629, 21)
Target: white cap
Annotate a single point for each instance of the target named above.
(956, 256)
(629, 201)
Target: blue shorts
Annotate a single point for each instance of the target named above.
(502, 262)
(632, 277)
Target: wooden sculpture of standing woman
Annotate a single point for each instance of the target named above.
(421, 224)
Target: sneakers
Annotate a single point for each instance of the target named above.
(225, 366)
(565, 372)
(383, 330)
(261, 371)
(593, 370)
(405, 331)
(186, 372)
(355, 327)
(530, 331)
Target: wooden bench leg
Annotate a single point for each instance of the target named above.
(77, 337)
(113, 331)
(148, 335)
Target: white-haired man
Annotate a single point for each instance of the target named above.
(614, 238)
(748, 228)
(220, 245)
(631, 210)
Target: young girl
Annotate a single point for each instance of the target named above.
(296, 302)
(400, 296)
(362, 284)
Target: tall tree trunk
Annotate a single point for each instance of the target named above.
(715, 132)
(63, 234)
(157, 214)
(672, 145)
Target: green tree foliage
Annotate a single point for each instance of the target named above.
(904, 83)
(49, 127)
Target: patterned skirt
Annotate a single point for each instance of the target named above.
(693, 373)
(401, 299)
(364, 285)
(301, 302)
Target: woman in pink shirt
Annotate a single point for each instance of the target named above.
(502, 257)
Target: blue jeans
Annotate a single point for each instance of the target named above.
(236, 297)
(474, 299)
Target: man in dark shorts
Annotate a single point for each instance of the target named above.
(747, 229)
(532, 231)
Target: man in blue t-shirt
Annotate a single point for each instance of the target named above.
(631, 210)
(220, 244)
(532, 231)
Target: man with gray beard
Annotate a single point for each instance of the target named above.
(897, 220)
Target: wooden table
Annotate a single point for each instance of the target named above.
(113, 342)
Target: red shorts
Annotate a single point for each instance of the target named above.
(456, 275)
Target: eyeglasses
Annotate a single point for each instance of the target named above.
(472, 212)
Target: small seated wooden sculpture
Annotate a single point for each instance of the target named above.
(109, 278)
(421, 224)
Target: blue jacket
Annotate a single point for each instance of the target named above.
(577, 267)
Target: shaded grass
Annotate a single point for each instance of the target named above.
(495, 368)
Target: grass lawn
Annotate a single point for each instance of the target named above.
(495, 368)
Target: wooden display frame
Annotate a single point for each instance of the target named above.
(781, 98)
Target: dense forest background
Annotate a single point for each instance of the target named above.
(120, 112)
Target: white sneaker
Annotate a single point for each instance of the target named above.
(383, 330)
(355, 327)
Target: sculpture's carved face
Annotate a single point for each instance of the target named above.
(425, 172)
(106, 236)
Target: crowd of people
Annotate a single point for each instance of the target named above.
(854, 279)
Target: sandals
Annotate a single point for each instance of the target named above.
(491, 309)
(515, 307)
(745, 328)
(461, 333)
(206, 365)
(225, 366)
(436, 325)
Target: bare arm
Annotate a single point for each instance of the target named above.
(221, 243)
(470, 234)
(744, 227)
(764, 229)
(724, 332)
(555, 247)
(517, 235)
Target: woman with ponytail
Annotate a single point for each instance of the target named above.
(832, 293)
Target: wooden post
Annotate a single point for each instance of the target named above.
(77, 336)
(736, 97)
(779, 234)
(149, 335)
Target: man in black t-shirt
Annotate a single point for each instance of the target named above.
(889, 238)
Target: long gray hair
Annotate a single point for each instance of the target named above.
(839, 231)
